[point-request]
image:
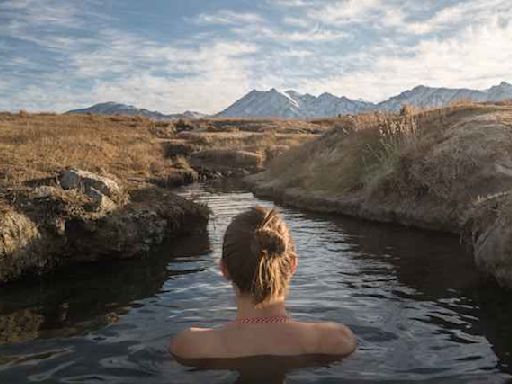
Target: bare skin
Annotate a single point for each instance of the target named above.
(291, 338)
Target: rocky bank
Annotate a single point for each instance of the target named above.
(83, 217)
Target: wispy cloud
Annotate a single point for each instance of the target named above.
(474, 57)
(292, 3)
(345, 11)
(451, 17)
(169, 78)
(227, 17)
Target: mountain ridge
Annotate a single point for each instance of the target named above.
(292, 104)
(115, 108)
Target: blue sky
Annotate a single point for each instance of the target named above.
(202, 54)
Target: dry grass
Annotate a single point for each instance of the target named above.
(284, 126)
(132, 148)
(39, 145)
(239, 140)
(230, 158)
(360, 151)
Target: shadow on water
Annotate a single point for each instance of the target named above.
(88, 296)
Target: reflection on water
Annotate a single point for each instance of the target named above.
(82, 298)
(414, 299)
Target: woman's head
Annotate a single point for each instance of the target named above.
(258, 254)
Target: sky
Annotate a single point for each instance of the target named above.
(176, 55)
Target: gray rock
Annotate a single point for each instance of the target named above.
(86, 181)
(100, 202)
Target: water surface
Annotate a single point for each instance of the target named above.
(419, 309)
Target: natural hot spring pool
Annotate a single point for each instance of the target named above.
(413, 298)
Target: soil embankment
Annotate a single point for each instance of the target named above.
(447, 169)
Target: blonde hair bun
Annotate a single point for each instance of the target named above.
(270, 242)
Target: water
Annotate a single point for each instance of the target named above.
(419, 309)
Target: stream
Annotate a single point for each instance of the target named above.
(414, 299)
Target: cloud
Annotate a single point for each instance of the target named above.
(50, 13)
(471, 12)
(205, 77)
(296, 22)
(227, 17)
(292, 3)
(280, 36)
(344, 11)
(477, 57)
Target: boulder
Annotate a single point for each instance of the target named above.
(62, 201)
(86, 181)
(100, 202)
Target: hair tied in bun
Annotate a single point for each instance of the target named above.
(270, 242)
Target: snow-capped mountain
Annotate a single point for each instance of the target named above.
(422, 96)
(113, 108)
(292, 104)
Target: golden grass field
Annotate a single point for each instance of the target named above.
(34, 146)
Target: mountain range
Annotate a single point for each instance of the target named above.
(292, 104)
(113, 108)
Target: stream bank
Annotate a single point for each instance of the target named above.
(86, 217)
(447, 170)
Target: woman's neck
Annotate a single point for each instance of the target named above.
(246, 308)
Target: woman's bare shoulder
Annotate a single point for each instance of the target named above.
(334, 339)
(192, 343)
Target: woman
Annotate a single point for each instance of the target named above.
(258, 257)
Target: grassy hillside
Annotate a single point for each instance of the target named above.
(446, 169)
(364, 152)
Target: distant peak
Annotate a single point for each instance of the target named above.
(326, 94)
(109, 103)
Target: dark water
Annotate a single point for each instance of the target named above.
(419, 309)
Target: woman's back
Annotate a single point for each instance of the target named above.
(274, 339)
